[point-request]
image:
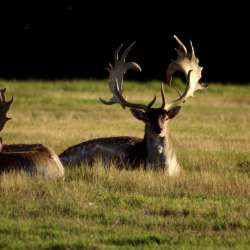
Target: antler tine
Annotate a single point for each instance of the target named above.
(182, 46)
(126, 51)
(182, 96)
(187, 63)
(151, 103)
(192, 49)
(4, 107)
(193, 56)
(110, 102)
(163, 96)
(116, 55)
(2, 95)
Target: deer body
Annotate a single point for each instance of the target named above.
(34, 159)
(117, 150)
(124, 152)
(155, 150)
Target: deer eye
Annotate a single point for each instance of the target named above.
(164, 117)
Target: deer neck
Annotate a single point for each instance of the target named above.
(160, 151)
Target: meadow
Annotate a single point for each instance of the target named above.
(207, 207)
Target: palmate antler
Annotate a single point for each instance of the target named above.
(115, 81)
(188, 64)
(117, 72)
(4, 107)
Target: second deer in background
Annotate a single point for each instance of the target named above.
(155, 150)
(34, 159)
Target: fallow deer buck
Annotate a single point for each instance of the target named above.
(34, 159)
(155, 150)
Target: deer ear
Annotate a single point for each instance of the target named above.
(173, 112)
(138, 114)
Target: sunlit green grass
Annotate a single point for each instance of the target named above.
(207, 207)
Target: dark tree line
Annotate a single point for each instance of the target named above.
(71, 39)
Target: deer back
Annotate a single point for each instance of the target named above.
(33, 159)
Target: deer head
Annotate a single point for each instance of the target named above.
(156, 118)
(4, 107)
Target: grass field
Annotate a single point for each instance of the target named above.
(207, 207)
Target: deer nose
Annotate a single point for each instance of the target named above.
(157, 130)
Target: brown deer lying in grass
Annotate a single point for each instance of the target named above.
(34, 159)
(155, 150)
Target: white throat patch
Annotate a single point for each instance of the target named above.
(160, 149)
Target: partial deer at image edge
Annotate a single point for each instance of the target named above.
(34, 159)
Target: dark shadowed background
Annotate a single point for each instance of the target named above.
(76, 39)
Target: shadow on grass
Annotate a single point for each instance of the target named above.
(244, 167)
(137, 241)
